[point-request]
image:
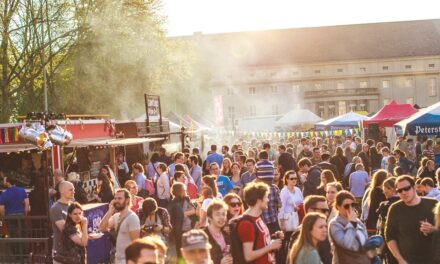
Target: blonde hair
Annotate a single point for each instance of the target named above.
(437, 215)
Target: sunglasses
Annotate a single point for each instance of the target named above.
(347, 206)
(234, 204)
(407, 188)
(322, 210)
(292, 179)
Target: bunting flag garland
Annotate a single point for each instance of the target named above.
(6, 135)
(1, 136)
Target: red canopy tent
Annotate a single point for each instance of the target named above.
(390, 114)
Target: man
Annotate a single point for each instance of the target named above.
(326, 165)
(163, 157)
(358, 182)
(124, 221)
(57, 177)
(266, 147)
(318, 204)
(224, 185)
(312, 178)
(409, 224)
(316, 158)
(285, 161)
(300, 147)
(217, 219)
(225, 152)
(195, 247)
(13, 200)
(196, 171)
(404, 163)
(265, 173)
(429, 189)
(58, 212)
(196, 152)
(249, 175)
(141, 251)
(179, 158)
(214, 157)
(160, 247)
(252, 229)
(305, 153)
(365, 157)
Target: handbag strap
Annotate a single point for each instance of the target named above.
(120, 223)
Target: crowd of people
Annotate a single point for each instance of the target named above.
(308, 200)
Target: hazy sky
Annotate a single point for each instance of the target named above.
(214, 16)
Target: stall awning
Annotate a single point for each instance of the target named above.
(110, 141)
(16, 148)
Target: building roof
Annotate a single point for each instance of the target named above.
(324, 44)
(390, 114)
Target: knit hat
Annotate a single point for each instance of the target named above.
(265, 170)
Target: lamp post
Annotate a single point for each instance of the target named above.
(182, 137)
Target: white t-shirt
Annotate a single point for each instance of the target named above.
(130, 223)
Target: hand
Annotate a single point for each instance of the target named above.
(158, 228)
(227, 229)
(84, 221)
(111, 206)
(352, 216)
(279, 235)
(226, 259)
(276, 244)
(426, 227)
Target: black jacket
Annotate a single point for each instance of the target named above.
(216, 251)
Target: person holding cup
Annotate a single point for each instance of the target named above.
(218, 238)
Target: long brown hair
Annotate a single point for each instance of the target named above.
(329, 176)
(228, 198)
(305, 240)
(378, 178)
(210, 181)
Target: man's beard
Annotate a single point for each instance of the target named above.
(119, 208)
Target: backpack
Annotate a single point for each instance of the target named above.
(236, 245)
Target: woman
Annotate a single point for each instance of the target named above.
(389, 190)
(291, 198)
(106, 170)
(104, 189)
(436, 236)
(180, 209)
(327, 176)
(226, 167)
(331, 190)
(428, 170)
(236, 177)
(375, 197)
(74, 237)
(313, 231)
(206, 197)
(210, 181)
(391, 164)
(139, 177)
(376, 158)
(154, 220)
(235, 206)
(339, 160)
(163, 185)
(136, 201)
(347, 232)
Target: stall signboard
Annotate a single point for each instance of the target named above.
(153, 110)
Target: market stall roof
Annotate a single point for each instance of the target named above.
(350, 119)
(6, 148)
(110, 141)
(298, 117)
(390, 114)
(425, 122)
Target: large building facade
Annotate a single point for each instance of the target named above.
(328, 70)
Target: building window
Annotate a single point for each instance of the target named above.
(317, 86)
(229, 91)
(431, 65)
(432, 85)
(274, 109)
(252, 110)
(362, 107)
(385, 84)
(274, 89)
(352, 107)
(342, 107)
(340, 70)
(331, 110)
(340, 86)
(252, 90)
(295, 88)
(386, 101)
(363, 69)
(363, 84)
(384, 68)
(231, 112)
(410, 100)
(408, 82)
(408, 67)
(317, 71)
(321, 110)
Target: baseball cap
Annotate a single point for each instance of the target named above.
(265, 170)
(195, 239)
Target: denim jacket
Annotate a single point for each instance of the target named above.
(348, 241)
